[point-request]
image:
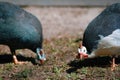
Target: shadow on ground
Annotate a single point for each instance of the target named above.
(7, 58)
(95, 62)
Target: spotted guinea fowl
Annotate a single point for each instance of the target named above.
(102, 35)
(20, 29)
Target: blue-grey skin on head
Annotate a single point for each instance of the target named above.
(19, 29)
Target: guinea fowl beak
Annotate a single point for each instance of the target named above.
(42, 58)
(42, 61)
(81, 56)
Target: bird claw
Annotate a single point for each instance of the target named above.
(113, 66)
(20, 62)
(16, 61)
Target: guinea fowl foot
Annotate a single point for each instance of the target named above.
(113, 65)
(16, 61)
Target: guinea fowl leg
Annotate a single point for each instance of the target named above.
(16, 60)
(113, 64)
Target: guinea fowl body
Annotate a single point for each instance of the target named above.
(103, 32)
(102, 35)
(19, 29)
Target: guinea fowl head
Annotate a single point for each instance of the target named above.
(40, 55)
(82, 52)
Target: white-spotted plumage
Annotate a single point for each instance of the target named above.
(108, 46)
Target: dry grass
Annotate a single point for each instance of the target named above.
(60, 50)
(59, 21)
(60, 65)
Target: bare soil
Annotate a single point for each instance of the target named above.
(62, 27)
(64, 21)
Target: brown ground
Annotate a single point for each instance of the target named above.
(62, 26)
(64, 21)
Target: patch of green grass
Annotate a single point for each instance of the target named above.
(1, 78)
(9, 66)
(73, 76)
(84, 70)
(59, 53)
(57, 70)
(26, 73)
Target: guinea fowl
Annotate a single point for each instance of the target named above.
(20, 29)
(102, 35)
